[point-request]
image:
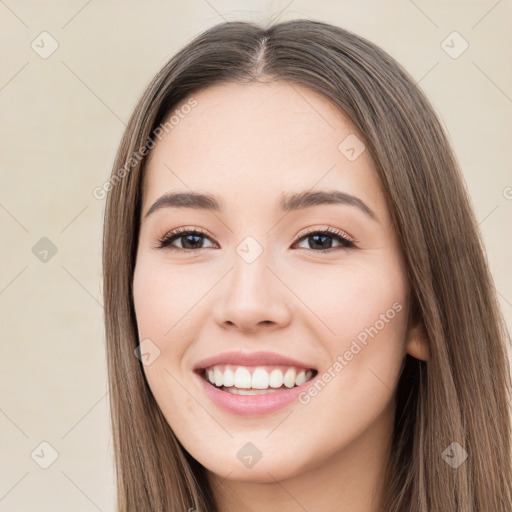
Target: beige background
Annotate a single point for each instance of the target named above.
(62, 119)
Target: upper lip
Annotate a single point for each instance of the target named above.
(250, 359)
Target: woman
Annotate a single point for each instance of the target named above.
(290, 252)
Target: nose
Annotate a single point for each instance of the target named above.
(253, 296)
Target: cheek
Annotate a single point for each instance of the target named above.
(349, 297)
(161, 303)
(163, 297)
(361, 322)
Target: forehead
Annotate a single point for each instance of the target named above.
(258, 138)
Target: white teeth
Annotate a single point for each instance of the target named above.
(260, 379)
(301, 378)
(240, 378)
(219, 376)
(229, 378)
(289, 378)
(236, 391)
(276, 378)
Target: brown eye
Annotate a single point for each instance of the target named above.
(322, 240)
(190, 240)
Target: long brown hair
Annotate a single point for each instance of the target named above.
(461, 395)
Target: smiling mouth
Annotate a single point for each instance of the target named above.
(258, 380)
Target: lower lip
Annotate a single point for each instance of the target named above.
(252, 405)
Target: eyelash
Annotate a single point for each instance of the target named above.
(345, 241)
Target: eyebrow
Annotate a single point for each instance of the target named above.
(288, 202)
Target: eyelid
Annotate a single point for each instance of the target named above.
(164, 241)
(174, 234)
(186, 229)
(329, 229)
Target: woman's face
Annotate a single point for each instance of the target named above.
(269, 283)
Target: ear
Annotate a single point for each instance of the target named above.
(417, 344)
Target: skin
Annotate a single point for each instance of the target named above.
(248, 144)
